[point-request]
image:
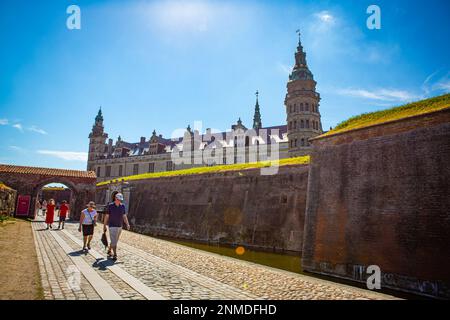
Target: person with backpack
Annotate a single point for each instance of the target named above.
(88, 220)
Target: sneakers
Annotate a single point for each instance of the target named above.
(114, 258)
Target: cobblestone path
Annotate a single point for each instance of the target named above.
(155, 269)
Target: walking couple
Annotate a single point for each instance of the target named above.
(115, 218)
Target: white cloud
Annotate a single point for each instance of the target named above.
(66, 155)
(437, 81)
(37, 130)
(284, 68)
(3, 122)
(16, 148)
(393, 95)
(325, 17)
(442, 85)
(18, 126)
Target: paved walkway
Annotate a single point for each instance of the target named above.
(154, 269)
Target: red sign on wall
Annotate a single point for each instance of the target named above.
(23, 205)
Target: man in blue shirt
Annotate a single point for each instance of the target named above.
(115, 218)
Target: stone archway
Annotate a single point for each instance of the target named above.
(28, 181)
(61, 180)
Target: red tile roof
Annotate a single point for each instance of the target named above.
(6, 168)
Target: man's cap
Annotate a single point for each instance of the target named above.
(119, 196)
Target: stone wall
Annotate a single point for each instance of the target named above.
(32, 184)
(380, 196)
(241, 207)
(7, 200)
(57, 195)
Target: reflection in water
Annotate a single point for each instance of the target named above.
(285, 261)
(289, 262)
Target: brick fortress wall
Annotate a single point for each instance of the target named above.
(242, 207)
(380, 196)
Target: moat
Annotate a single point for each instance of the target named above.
(289, 261)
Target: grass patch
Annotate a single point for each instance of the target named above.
(4, 186)
(214, 169)
(395, 113)
(4, 219)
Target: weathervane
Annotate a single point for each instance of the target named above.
(298, 31)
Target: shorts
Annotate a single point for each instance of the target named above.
(88, 229)
(114, 234)
(62, 219)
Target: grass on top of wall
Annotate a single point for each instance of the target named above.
(213, 169)
(395, 113)
(4, 186)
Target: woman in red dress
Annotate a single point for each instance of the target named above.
(50, 213)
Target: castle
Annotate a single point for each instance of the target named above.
(239, 145)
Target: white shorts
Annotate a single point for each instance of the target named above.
(114, 234)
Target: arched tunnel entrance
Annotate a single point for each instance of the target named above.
(29, 182)
(59, 193)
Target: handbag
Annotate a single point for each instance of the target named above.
(104, 240)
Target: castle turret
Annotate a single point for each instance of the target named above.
(302, 106)
(97, 141)
(257, 124)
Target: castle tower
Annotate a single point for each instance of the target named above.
(302, 106)
(97, 139)
(257, 116)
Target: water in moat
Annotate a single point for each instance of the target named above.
(285, 261)
(288, 261)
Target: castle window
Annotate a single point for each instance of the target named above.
(99, 171)
(301, 106)
(151, 167)
(307, 124)
(136, 168)
(295, 107)
(108, 171)
(169, 166)
(295, 124)
(120, 170)
(306, 107)
(303, 142)
(291, 143)
(302, 124)
(295, 143)
(290, 125)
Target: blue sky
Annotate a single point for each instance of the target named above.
(164, 64)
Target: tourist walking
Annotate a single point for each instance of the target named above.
(44, 207)
(88, 220)
(50, 215)
(115, 218)
(63, 210)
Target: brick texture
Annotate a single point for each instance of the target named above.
(380, 195)
(235, 207)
